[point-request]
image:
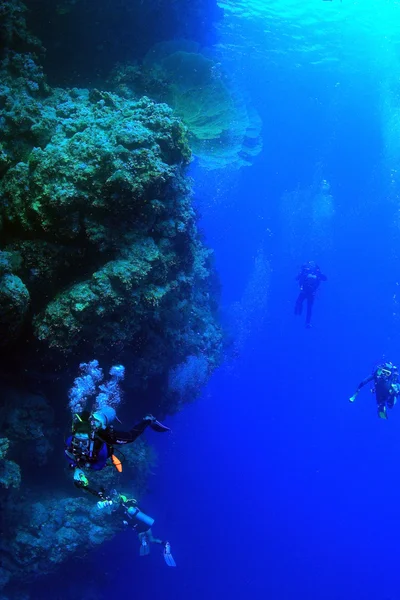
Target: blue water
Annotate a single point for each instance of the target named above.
(273, 485)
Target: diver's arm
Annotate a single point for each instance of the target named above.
(112, 437)
(124, 437)
(364, 382)
(81, 486)
(361, 385)
(82, 482)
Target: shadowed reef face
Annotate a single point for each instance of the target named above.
(86, 39)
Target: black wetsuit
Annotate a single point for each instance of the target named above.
(103, 445)
(385, 380)
(116, 438)
(309, 279)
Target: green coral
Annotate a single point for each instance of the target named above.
(201, 100)
(96, 207)
(86, 177)
(223, 129)
(108, 306)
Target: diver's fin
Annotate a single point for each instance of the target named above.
(382, 412)
(157, 426)
(144, 546)
(169, 559)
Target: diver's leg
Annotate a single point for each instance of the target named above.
(381, 400)
(151, 537)
(144, 544)
(310, 302)
(382, 412)
(299, 304)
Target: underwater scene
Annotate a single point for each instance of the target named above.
(199, 299)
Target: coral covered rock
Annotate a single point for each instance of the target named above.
(52, 529)
(95, 205)
(100, 254)
(28, 420)
(223, 128)
(13, 31)
(14, 303)
(10, 474)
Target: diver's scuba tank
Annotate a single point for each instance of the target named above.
(138, 515)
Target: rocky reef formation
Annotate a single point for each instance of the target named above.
(85, 40)
(10, 473)
(100, 257)
(224, 130)
(101, 253)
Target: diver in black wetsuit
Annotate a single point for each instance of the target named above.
(386, 387)
(91, 444)
(309, 279)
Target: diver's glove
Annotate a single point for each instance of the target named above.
(155, 425)
(80, 478)
(149, 419)
(354, 396)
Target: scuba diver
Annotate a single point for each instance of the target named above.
(309, 279)
(93, 439)
(140, 523)
(386, 387)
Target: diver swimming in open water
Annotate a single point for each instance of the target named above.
(386, 387)
(309, 279)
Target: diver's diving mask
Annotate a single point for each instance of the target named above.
(383, 372)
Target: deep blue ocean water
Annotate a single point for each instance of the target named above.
(272, 485)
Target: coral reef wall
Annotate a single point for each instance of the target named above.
(100, 257)
(100, 253)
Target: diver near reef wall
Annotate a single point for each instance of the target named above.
(92, 442)
(386, 387)
(139, 522)
(93, 437)
(309, 280)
